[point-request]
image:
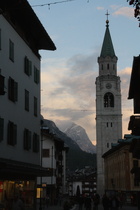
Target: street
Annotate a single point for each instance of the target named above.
(76, 207)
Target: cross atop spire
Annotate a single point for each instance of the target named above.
(107, 21)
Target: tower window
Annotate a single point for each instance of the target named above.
(108, 66)
(108, 100)
(102, 67)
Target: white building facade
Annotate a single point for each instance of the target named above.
(108, 105)
(20, 94)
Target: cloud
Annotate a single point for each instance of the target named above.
(69, 91)
(124, 11)
(100, 8)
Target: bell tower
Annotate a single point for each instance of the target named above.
(108, 105)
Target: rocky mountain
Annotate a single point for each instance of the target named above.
(76, 157)
(77, 134)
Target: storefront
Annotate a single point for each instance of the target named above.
(19, 179)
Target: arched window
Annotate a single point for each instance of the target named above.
(108, 66)
(108, 100)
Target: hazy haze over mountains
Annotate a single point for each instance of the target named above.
(76, 157)
(77, 134)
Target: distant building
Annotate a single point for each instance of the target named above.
(120, 170)
(21, 37)
(108, 105)
(54, 160)
(83, 179)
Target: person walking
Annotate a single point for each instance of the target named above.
(105, 202)
(114, 203)
(18, 203)
(88, 203)
(96, 201)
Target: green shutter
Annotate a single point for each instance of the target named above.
(14, 134)
(1, 129)
(15, 91)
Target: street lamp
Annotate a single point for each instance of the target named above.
(40, 205)
(42, 129)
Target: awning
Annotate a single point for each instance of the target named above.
(15, 170)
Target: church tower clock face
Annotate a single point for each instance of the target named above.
(108, 105)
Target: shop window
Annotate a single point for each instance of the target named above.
(35, 106)
(35, 142)
(36, 75)
(1, 129)
(27, 66)
(11, 50)
(46, 153)
(12, 89)
(26, 100)
(108, 100)
(27, 139)
(12, 134)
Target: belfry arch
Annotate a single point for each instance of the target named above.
(108, 100)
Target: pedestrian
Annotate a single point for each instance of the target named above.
(81, 202)
(114, 203)
(105, 202)
(47, 200)
(18, 203)
(88, 203)
(96, 201)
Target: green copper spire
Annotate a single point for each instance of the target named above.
(107, 47)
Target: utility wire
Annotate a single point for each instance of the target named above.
(57, 2)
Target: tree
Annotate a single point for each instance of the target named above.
(136, 5)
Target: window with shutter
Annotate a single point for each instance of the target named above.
(11, 50)
(2, 92)
(35, 142)
(0, 39)
(35, 106)
(12, 90)
(12, 134)
(27, 139)
(27, 66)
(36, 75)
(26, 100)
(1, 129)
